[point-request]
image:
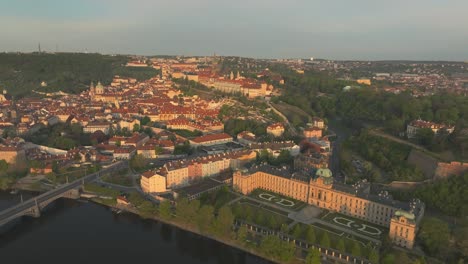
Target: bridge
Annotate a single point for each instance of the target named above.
(33, 206)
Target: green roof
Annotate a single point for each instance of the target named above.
(409, 216)
(325, 173)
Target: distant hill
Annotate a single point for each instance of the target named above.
(20, 73)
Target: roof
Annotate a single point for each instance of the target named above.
(211, 137)
(324, 172)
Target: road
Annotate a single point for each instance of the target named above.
(291, 127)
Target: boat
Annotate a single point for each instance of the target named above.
(14, 191)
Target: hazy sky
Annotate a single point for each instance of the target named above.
(334, 29)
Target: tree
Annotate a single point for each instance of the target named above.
(425, 136)
(158, 150)
(242, 233)
(325, 240)
(297, 231)
(313, 257)
(310, 235)
(205, 218)
(356, 249)
(136, 198)
(165, 209)
(3, 166)
(461, 240)
(374, 256)
(224, 221)
(138, 162)
(276, 248)
(136, 127)
(341, 245)
(388, 259)
(145, 120)
(147, 209)
(434, 235)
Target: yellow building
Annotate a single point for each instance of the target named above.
(403, 229)
(320, 190)
(364, 81)
(276, 129)
(153, 182)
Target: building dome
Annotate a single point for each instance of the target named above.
(407, 215)
(324, 173)
(99, 88)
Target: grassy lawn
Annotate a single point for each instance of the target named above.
(218, 199)
(355, 225)
(119, 178)
(298, 205)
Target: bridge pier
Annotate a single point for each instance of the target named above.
(36, 210)
(72, 194)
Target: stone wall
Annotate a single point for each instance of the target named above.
(445, 170)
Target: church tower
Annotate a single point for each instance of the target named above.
(92, 91)
(231, 76)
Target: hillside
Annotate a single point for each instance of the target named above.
(20, 73)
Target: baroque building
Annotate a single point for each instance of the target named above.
(316, 187)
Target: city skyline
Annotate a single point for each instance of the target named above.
(363, 30)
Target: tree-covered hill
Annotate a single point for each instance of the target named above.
(20, 73)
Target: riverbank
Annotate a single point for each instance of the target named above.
(231, 243)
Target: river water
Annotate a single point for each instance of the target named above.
(71, 231)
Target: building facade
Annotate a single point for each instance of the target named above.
(320, 190)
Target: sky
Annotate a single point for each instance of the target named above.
(331, 29)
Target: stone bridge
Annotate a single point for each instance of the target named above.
(33, 206)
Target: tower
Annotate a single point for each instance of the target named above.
(231, 76)
(91, 90)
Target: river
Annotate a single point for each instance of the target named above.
(71, 231)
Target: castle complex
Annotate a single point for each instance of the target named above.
(316, 187)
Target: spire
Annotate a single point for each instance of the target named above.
(231, 76)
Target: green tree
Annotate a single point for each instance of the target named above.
(388, 259)
(138, 162)
(374, 256)
(341, 245)
(136, 127)
(147, 209)
(356, 249)
(3, 166)
(425, 136)
(434, 235)
(297, 231)
(310, 235)
(205, 218)
(224, 221)
(325, 240)
(242, 233)
(313, 257)
(165, 209)
(136, 198)
(276, 248)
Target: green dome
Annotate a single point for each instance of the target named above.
(325, 173)
(407, 215)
